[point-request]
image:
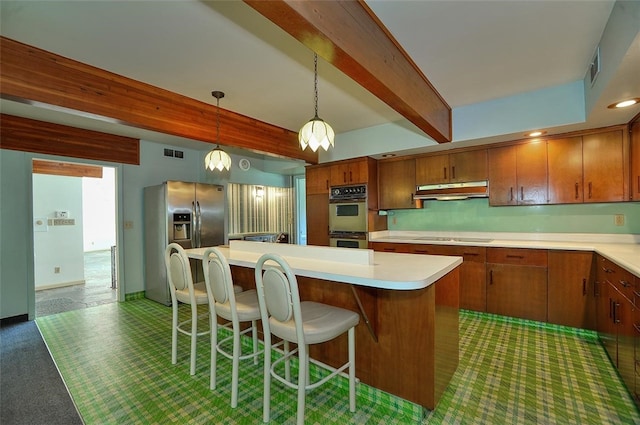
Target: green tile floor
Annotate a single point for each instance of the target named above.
(115, 360)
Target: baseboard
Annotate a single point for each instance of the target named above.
(60, 285)
(14, 319)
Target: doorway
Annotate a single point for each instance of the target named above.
(74, 210)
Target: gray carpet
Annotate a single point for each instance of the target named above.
(31, 389)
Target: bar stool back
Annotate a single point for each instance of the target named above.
(303, 323)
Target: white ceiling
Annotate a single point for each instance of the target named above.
(471, 51)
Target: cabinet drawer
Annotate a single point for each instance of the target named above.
(620, 278)
(390, 247)
(426, 249)
(519, 256)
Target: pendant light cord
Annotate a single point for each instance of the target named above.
(315, 81)
(218, 121)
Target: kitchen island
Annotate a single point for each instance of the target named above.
(407, 339)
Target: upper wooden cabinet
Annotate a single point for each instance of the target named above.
(565, 170)
(350, 172)
(317, 179)
(518, 174)
(396, 183)
(603, 156)
(456, 167)
(587, 168)
(635, 161)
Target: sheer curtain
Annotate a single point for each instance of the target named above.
(255, 208)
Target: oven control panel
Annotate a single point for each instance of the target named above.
(349, 192)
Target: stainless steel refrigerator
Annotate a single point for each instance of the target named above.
(190, 214)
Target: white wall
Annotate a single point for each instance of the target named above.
(57, 246)
(98, 211)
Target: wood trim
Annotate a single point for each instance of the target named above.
(35, 76)
(348, 35)
(66, 169)
(27, 135)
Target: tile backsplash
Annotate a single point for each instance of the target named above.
(476, 215)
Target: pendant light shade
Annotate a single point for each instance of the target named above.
(316, 133)
(217, 159)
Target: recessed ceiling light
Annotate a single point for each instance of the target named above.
(535, 133)
(625, 103)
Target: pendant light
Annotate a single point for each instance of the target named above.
(217, 159)
(316, 132)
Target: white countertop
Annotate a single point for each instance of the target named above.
(382, 270)
(623, 250)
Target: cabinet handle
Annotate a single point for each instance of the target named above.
(616, 319)
(522, 193)
(511, 194)
(344, 176)
(625, 284)
(577, 186)
(350, 176)
(584, 287)
(606, 270)
(490, 277)
(474, 254)
(445, 172)
(636, 327)
(421, 251)
(590, 190)
(515, 256)
(453, 172)
(389, 249)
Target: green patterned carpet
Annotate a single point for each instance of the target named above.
(115, 360)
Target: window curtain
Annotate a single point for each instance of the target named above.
(255, 208)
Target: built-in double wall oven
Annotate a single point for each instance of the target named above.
(348, 216)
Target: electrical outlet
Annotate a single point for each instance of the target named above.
(618, 219)
(56, 269)
(128, 224)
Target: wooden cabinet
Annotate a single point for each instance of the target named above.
(462, 166)
(473, 280)
(517, 283)
(351, 172)
(603, 156)
(317, 179)
(588, 168)
(518, 174)
(318, 219)
(565, 170)
(571, 289)
(396, 183)
(616, 316)
(635, 161)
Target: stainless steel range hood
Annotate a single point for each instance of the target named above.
(452, 191)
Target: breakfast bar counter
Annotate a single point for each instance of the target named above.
(407, 339)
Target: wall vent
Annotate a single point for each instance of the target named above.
(594, 70)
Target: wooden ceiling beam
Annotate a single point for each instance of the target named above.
(34, 76)
(348, 35)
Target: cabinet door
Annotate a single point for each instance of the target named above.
(635, 161)
(604, 312)
(517, 291)
(432, 169)
(502, 175)
(468, 166)
(623, 318)
(318, 219)
(339, 174)
(396, 184)
(531, 173)
(603, 162)
(349, 172)
(565, 170)
(317, 179)
(571, 294)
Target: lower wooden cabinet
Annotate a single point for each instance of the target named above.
(571, 289)
(318, 219)
(517, 283)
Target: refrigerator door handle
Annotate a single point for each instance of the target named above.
(199, 228)
(194, 241)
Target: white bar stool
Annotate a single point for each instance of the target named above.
(302, 323)
(185, 291)
(229, 302)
